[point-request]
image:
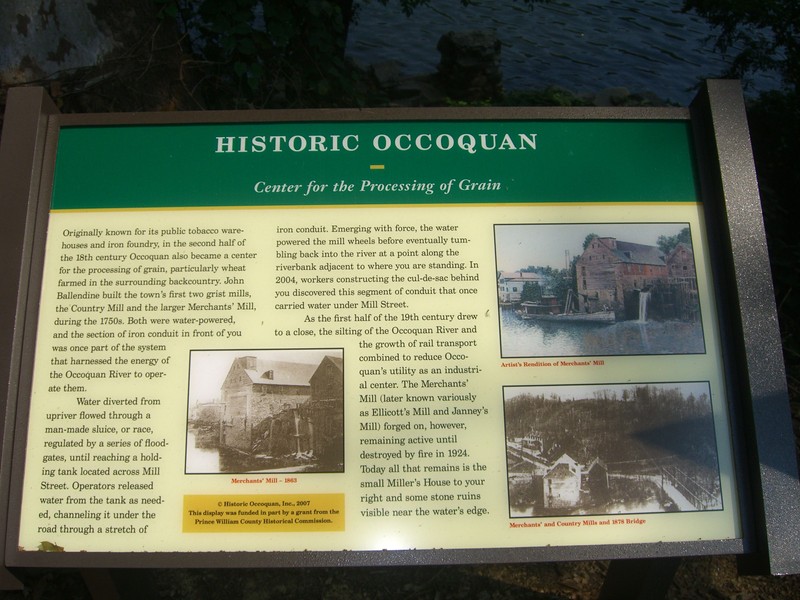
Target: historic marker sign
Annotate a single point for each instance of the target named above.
(452, 335)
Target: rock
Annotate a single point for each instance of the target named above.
(620, 96)
(417, 91)
(469, 68)
(614, 96)
(42, 38)
(388, 73)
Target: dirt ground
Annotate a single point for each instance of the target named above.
(697, 578)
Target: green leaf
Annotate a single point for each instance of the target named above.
(49, 547)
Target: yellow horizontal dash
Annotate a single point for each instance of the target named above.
(377, 167)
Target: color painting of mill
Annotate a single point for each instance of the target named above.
(611, 449)
(266, 411)
(597, 289)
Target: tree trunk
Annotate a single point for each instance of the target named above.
(43, 37)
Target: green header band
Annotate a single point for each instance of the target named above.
(386, 162)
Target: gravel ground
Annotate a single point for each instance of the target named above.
(696, 578)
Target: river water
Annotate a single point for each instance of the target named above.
(521, 338)
(200, 459)
(584, 46)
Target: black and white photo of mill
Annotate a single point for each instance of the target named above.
(611, 449)
(265, 411)
(597, 289)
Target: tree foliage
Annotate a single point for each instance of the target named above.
(277, 52)
(285, 52)
(531, 292)
(764, 33)
(644, 421)
(588, 239)
(666, 243)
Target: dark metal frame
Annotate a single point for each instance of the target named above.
(763, 440)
